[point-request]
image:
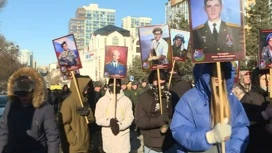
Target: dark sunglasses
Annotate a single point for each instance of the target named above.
(21, 93)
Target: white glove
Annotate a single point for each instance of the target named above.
(221, 132)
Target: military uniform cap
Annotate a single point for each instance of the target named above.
(97, 84)
(179, 36)
(124, 82)
(134, 83)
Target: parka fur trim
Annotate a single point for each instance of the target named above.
(39, 88)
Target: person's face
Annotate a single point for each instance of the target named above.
(115, 56)
(178, 42)
(157, 35)
(26, 98)
(264, 80)
(270, 42)
(65, 47)
(213, 9)
(134, 87)
(144, 84)
(155, 82)
(124, 87)
(97, 89)
(246, 78)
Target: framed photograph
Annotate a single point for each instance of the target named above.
(180, 40)
(67, 53)
(155, 47)
(236, 65)
(265, 49)
(115, 62)
(217, 30)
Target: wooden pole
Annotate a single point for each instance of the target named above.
(171, 74)
(220, 84)
(159, 87)
(115, 97)
(78, 93)
(270, 92)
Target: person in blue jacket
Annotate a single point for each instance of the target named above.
(192, 125)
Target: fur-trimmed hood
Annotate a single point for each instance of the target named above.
(39, 87)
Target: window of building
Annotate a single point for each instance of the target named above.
(138, 49)
(105, 41)
(115, 41)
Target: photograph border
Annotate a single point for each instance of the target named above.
(218, 57)
(170, 54)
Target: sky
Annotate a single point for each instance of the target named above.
(33, 24)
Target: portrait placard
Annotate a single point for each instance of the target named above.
(67, 54)
(217, 30)
(180, 40)
(115, 62)
(155, 47)
(265, 49)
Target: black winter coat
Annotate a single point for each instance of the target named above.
(25, 129)
(254, 102)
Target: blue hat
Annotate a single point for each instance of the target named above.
(179, 36)
(268, 37)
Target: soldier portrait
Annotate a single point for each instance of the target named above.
(67, 53)
(217, 30)
(155, 47)
(115, 62)
(265, 49)
(180, 40)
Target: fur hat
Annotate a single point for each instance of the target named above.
(23, 83)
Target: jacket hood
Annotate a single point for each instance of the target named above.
(111, 97)
(82, 82)
(202, 75)
(255, 75)
(241, 79)
(39, 87)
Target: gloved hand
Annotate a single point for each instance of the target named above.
(268, 112)
(83, 111)
(114, 126)
(268, 128)
(220, 132)
(152, 58)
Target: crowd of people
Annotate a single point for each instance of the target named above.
(176, 117)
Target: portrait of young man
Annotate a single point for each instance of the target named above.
(67, 53)
(115, 61)
(155, 47)
(217, 28)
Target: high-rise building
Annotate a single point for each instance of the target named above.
(26, 58)
(88, 19)
(132, 24)
(175, 7)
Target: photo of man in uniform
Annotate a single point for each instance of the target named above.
(216, 35)
(67, 57)
(159, 48)
(179, 51)
(114, 67)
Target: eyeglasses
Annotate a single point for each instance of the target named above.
(157, 33)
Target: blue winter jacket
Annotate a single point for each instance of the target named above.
(192, 120)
